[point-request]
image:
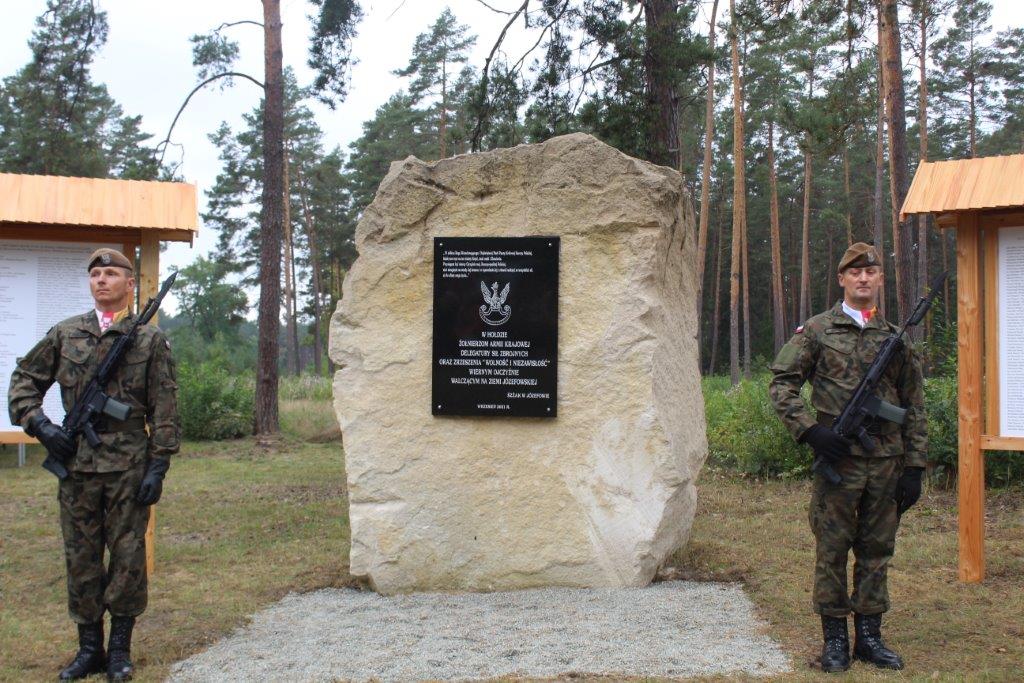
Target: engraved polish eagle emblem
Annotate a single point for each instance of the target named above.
(495, 312)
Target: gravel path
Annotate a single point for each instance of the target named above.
(674, 629)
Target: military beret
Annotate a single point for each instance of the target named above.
(109, 257)
(859, 255)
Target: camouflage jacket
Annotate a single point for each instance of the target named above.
(146, 381)
(833, 353)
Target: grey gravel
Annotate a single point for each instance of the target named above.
(674, 629)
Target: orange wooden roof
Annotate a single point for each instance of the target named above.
(98, 202)
(966, 185)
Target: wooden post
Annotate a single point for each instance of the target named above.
(149, 285)
(969, 345)
(991, 299)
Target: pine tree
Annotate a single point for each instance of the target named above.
(397, 130)
(705, 176)
(504, 126)
(1008, 138)
(317, 224)
(739, 197)
(212, 305)
(891, 56)
(433, 68)
(964, 80)
(54, 119)
(769, 86)
(551, 112)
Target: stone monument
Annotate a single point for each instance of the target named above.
(602, 493)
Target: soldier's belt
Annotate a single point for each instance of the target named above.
(874, 426)
(133, 424)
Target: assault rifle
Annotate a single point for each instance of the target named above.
(94, 401)
(865, 405)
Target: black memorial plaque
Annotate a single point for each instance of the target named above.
(495, 326)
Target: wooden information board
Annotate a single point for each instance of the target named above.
(983, 200)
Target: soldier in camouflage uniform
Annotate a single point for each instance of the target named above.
(832, 351)
(104, 502)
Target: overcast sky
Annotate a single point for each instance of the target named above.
(147, 66)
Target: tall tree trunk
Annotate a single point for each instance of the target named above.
(745, 258)
(271, 219)
(878, 232)
(805, 237)
(314, 263)
(290, 297)
(793, 282)
(922, 125)
(973, 120)
(719, 248)
(739, 195)
(972, 80)
(831, 256)
(744, 245)
(850, 34)
(659, 78)
(443, 124)
(805, 240)
(705, 178)
(895, 109)
(846, 192)
(778, 296)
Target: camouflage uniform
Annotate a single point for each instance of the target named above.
(97, 500)
(832, 352)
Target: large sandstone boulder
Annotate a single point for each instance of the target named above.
(598, 496)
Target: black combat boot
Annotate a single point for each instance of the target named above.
(119, 663)
(90, 659)
(869, 647)
(835, 651)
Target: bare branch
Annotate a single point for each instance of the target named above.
(593, 66)
(477, 131)
(561, 13)
(227, 74)
(499, 11)
(236, 23)
(181, 161)
(395, 11)
(586, 72)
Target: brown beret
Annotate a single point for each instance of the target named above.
(109, 257)
(859, 255)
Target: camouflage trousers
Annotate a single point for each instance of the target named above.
(98, 512)
(858, 514)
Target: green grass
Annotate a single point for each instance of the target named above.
(309, 420)
(757, 532)
(305, 387)
(239, 527)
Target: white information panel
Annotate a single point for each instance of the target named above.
(1011, 331)
(41, 283)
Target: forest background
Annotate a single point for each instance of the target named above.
(796, 126)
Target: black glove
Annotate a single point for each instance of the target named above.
(153, 482)
(57, 442)
(826, 443)
(908, 489)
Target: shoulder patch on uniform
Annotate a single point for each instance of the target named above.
(799, 330)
